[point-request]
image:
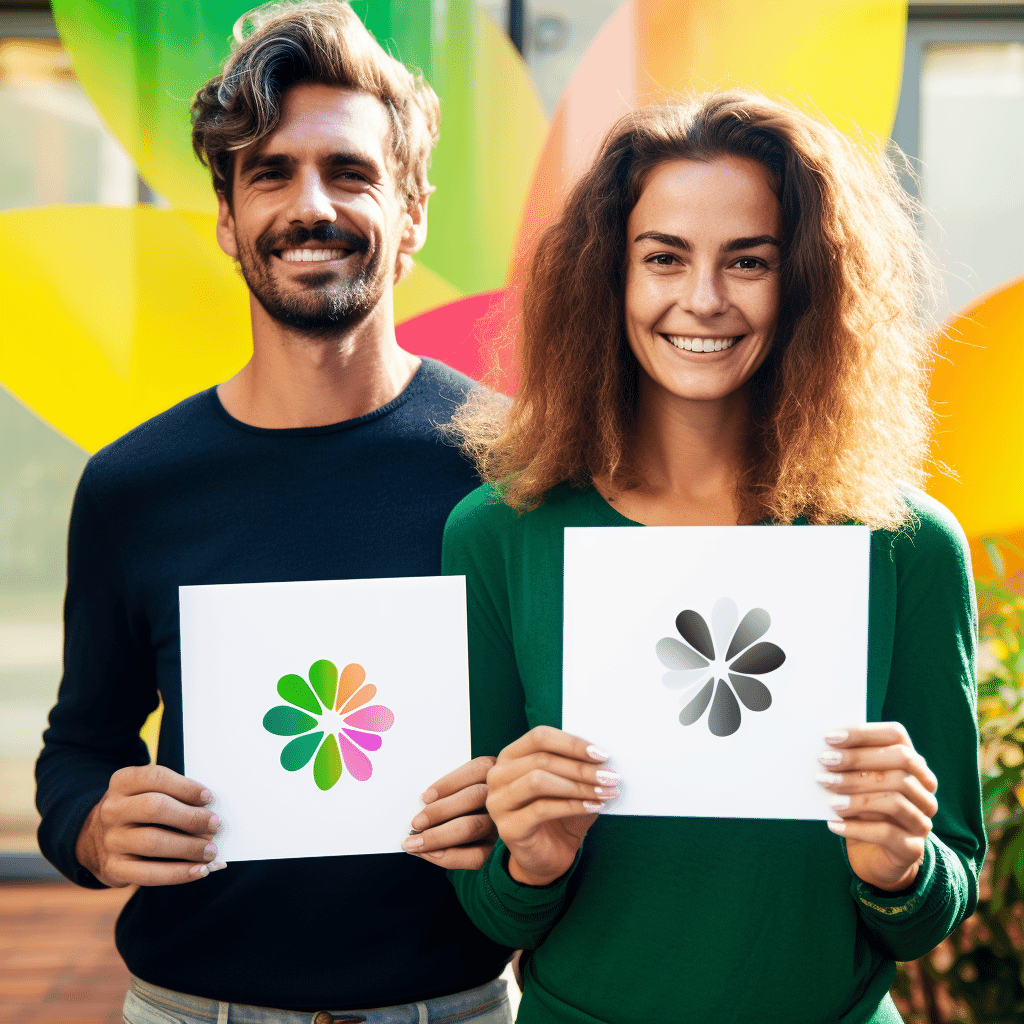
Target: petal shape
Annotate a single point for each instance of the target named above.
(376, 718)
(352, 677)
(327, 766)
(359, 698)
(324, 677)
(761, 658)
(367, 740)
(287, 721)
(296, 691)
(754, 694)
(754, 626)
(724, 719)
(723, 621)
(698, 705)
(356, 761)
(694, 630)
(678, 657)
(296, 754)
(684, 677)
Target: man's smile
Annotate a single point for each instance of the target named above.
(313, 255)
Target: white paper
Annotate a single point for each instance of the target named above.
(624, 589)
(237, 641)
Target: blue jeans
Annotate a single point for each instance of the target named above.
(150, 1004)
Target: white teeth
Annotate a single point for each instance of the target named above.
(310, 255)
(701, 344)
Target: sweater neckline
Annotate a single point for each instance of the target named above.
(611, 516)
(410, 390)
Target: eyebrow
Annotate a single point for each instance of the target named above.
(265, 161)
(734, 246)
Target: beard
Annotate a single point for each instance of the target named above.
(331, 302)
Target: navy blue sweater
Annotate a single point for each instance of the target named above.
(196, 497)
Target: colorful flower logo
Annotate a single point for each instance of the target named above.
(695, 662)
(335, 708)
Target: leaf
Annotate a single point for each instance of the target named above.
(994, 556)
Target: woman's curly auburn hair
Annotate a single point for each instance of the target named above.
(279, 45)
(840, 421)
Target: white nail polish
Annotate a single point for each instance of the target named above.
(592, 807)
(597, 753)
(828, 778)
(218, 865)
(608, 778)
(830, 758)
(839, 736)
(201, 873)
(837, 826)
(839, 802)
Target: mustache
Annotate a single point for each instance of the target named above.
(326, 234)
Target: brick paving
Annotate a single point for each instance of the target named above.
(58, 964)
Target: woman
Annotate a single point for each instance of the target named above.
(722, 329)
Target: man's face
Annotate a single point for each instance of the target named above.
(317, 221)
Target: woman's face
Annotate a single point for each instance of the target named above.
(702, 278)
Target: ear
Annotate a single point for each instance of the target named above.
(226, 227)
(414, 234)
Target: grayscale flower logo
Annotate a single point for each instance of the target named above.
(695, 662)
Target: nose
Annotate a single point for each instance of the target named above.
(310, 202)
(703, 293)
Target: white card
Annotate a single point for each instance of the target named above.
(655, 617)
(370, 684)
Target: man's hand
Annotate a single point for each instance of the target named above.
(885, 796)
(454, 828)
(122, 841)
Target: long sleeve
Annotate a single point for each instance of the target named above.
(932, 691)
(107, 691)
(476, 544)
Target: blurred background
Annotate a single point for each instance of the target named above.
(955, 107)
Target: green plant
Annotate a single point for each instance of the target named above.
(977, 975)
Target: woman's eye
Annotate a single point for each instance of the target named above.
(751, 263)
(662, 259)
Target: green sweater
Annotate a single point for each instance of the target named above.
(713, 920)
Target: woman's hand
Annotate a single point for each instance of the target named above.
(543, 794)
(884, 794)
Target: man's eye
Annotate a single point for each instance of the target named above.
(266, 175)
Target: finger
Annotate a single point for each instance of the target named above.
(160, 844)
(139, 871)
(469, 774)
(894, 807)
(851, 783)
(897, 757)
(505, 773)
(538, 785)
(473, 828)
(155, 778)
(158, 809)
(523, 823)
(904, 850)
(465, 801)
(545, 737)
(869, 734)
(465, 858)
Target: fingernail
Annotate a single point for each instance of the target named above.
(597, 753)
(591, 807)
(428, 796)
(839, 802)
(214, 823)
(421, 821)
(839, 736)
(830, 758)
(837, 826)
(205, 797)
(605, 794)
(219, 865)
(608, 778)
(828, 778)
(412, 843)
(199, 871)
(210, 852)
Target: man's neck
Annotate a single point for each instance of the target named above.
(296, 381)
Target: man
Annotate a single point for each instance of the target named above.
(320, 459)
